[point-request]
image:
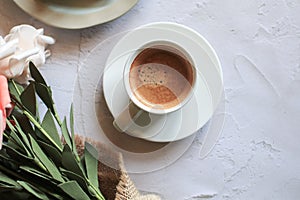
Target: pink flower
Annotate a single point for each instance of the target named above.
(4, 105)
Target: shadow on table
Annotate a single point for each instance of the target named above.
(121, 139)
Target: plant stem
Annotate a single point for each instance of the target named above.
(27, 114)
(18, 91)
(99, 195)
(56, 116)
(5, 169)
(20, 177)
(40, 164)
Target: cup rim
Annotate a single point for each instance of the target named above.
(126, 81)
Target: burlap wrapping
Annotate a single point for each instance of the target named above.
(114, 181)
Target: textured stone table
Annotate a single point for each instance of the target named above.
(258, 42)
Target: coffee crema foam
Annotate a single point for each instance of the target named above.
(160, 79)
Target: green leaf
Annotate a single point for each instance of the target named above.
(69, 161)
(45, 94)
(12, 144)
(36, 75)
(6, 188)
(8, 181)
(73, 133)
(33, 190)
(65, 133)
(91, 164)
(17, 155)
(54, 154)
(23, 137)
(7, 158)
(41, 130)
(72, 122)
(23, 121)
(14, 138)
(28, 99)
(51, 168)
(57, 196)
(73, 176)
(36, 172)
(73, 189)
(15, 89)
(47, 183)
(41, 136)
(8, 184)
(82, 162)
(50, 127)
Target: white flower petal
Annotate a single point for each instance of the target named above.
(30, 46)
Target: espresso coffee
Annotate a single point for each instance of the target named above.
(160, 79)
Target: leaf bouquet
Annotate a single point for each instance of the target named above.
(34, 162)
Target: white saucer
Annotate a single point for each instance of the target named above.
(75, 14)
(198, 110)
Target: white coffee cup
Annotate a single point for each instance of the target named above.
(131, 115)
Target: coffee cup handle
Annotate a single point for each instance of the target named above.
(127, 117)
